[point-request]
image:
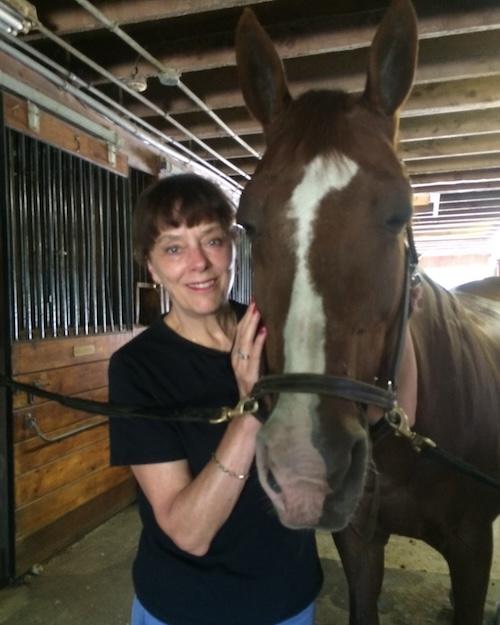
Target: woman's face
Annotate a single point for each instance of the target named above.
(195, 265)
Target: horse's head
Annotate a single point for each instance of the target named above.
(327, 209)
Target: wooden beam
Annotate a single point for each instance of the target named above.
(443, 126)
(434, 148)
(459, 187)
(448, 125)
(462, 146)
(451, 164)
(329, 36)
(423, 221)
(473, 94)
(476, 177)
(469, 205)
(66, 19)
(458, 198)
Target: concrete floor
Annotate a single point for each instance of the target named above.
(89, 583)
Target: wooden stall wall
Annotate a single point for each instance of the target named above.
(71, 307)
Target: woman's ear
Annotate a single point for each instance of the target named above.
(153, 273)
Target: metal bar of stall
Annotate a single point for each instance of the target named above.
(73, 245)
(51, 247)
(125, 208)
(38, 270)
(100, 255)
(13, 235)
(31, 191)
(24, 251)
(55, 230)
(116, 257)
(91, 209)
(62, 248)
(113, 299)
(84, 284)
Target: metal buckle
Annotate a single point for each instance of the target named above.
(398, 421)
(247, 405)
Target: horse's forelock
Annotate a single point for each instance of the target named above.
(313, 123)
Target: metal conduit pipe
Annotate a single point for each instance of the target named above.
(115, 28)
(79, 94)
(100, 70)
(100, 108)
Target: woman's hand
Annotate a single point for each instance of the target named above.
(247, 350)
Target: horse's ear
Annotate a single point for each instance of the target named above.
(260, 71)
(393, 58)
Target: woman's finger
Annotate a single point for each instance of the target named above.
(247, 350)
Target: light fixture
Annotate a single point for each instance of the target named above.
(17, 16)
(136, 81)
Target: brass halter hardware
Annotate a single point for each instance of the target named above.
(398, 421)
(247, 405)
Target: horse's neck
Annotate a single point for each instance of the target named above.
(456, 356)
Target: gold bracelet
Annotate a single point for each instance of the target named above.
(239, 476)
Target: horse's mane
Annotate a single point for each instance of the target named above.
(457, 341)
(483, 311)
(463, 310)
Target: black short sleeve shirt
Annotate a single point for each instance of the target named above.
(256, 572)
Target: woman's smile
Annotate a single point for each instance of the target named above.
(201, 286)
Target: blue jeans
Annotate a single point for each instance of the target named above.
(140, 616)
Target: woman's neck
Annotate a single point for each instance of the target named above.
(216, 331)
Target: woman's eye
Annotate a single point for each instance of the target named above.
(172, 249)
(216, 242)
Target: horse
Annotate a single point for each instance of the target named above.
(329, 210)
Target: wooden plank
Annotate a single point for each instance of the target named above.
(48, 509)
(65, 380)
(52, 416)
(47, 541)
(73, 19)
(34, 452)
(31, 356)
(64, 470)
(62, 135)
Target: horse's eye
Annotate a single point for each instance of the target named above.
(395, 223)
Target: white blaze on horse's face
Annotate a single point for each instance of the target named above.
(305, 324)
(285, 447)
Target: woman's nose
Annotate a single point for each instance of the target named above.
(198, 258)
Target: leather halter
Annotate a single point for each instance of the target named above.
(349, 388)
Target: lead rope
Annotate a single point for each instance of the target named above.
(123, 411)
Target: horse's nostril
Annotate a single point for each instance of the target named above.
(273, 484)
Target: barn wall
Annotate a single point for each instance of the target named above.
(70, 305)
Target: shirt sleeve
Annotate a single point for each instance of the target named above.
(138, 440)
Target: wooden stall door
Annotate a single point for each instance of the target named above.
(66, 487)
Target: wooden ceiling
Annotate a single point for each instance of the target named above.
(450, 127)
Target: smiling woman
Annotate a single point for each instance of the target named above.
(207, 530)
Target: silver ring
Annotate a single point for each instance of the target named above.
(242, 355)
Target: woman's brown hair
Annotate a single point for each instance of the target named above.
(179, 199)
